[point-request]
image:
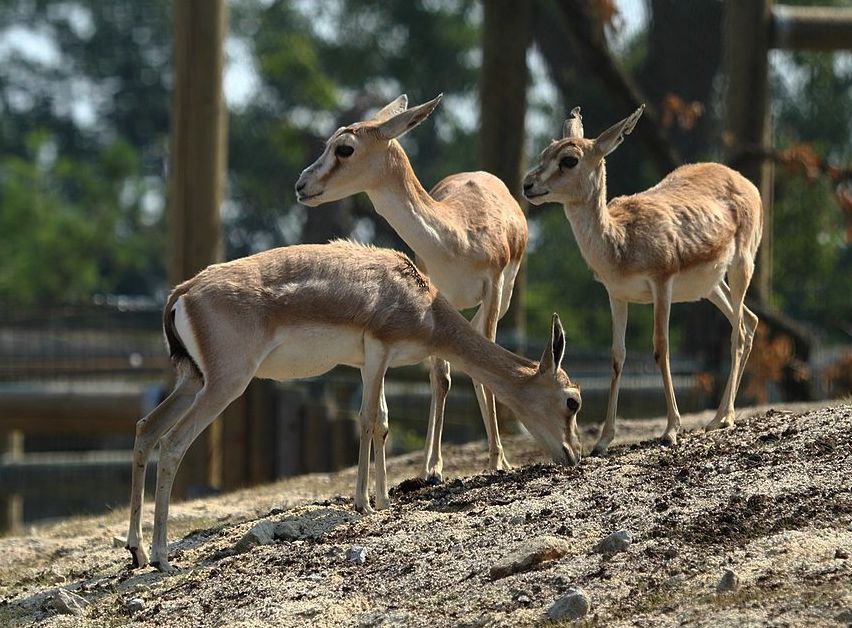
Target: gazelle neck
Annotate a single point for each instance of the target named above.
(406, 205)
(591, 221)
(485, 361)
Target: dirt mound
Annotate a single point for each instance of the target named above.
(769, 501)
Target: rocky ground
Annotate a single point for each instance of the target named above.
(745, 526)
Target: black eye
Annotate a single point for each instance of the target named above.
(573, 404)
(568, 162)
(344, 150)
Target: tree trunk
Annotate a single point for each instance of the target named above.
(196, 182)
(506, 35)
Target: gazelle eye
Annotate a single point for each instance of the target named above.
(344, 150)
(573, 404)
(568, 162)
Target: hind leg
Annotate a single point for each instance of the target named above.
(721, 298)
(211, 400)
(739, 276)
(440, 381)
(485, 322)
(148, 432)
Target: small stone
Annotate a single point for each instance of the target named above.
(262, 533)
(135, 604)
(573, 605)
(357, 554)
(529, 554)
(523, 599)
(288, 530)
(841, 553)
(730, 581)
(69, 603)
(616, 542)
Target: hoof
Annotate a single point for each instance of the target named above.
(140, 558)
(365, 509)
(164, 566)
(719, 424)
(669, 439)
(499, 463)
(434, 479)
(382, 503)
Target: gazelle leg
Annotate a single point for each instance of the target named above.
(372, 378)
(721, 298)
(148, 432)
(209, 403)
(739, 276)
(440, 380)
(485, 322)
(619, 353)
(380, 436)
(662, 307)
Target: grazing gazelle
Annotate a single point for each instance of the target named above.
(469, 235)
(298, 312)
(673, 242)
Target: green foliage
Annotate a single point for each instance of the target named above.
(812, 261)
(63, 234)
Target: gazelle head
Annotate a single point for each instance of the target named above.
(570, 169)
(551, 402)
(355, 156)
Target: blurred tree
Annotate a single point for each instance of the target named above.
(84, 120)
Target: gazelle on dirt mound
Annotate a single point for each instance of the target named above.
(673, 242)
(469, 235)
(300, 311)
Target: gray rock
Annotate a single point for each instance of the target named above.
(262, 533)
(69, 603)
(530, 553)
(357, 554)
(312, 524)
(135, 604)
(616, 542)
(728, 582)
(573, 605)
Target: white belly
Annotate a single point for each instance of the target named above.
(691, 285)
(310, 350)
(458, 286)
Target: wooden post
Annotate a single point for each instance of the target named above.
(811, 28)
(196, 182)
(11, 503)
(506, 35)
(747, 31)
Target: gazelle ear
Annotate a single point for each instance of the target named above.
(551, 359)
(573, 126)
(398, 124)
(610, 139)
(398, 105)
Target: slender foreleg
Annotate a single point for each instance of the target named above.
(619, 353)
(662, 307)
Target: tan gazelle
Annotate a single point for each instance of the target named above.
(469, 235)
(674, 242)
(298, 312)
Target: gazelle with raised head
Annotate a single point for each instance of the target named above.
(298, 312)
(674, 242)
(468, 234)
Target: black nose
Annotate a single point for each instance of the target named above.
(573, 404)
(300, 185)
(527, 186)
